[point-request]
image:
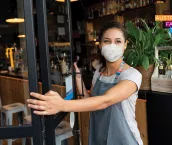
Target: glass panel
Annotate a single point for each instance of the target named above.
(60, 60)
(59, 46)
(14, 84)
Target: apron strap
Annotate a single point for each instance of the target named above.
(117, 73)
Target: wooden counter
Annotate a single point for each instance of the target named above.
(14, 90)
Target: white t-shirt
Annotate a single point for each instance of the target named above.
(128, 105)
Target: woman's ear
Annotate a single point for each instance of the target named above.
(125, 45)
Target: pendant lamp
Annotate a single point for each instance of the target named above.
(15, 20)
(64, 0)
(13, 14)
(21, 36)
(159, 1)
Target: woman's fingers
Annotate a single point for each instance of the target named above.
(37, 107)
(36, 102)
(45, 104)
(38, 96)
(51, 93)
(76, 67)
(41, 112)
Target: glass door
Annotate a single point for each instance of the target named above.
(38, 57)
(18, 75)
(56, 62)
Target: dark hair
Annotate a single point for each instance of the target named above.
(106, 27)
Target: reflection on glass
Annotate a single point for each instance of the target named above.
(14, 87)
(59, 45)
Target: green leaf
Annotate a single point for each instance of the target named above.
(133, 30)
(145, 25)
(145, 62)
(142, 43)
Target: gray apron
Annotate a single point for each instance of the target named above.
(109, 126)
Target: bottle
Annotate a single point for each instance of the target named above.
(99, 12)
(122, 7)
(114, 6)
(92, 14)
(103, 9)
(141, 3)
(107, 8)
(169, 72)
(161, 69)
(63, 65)
(52, 66)
(118, 6)
(134, 5)
(111, 7)
(147, 2)
(96, 13)
(144, 3)
(137, 4)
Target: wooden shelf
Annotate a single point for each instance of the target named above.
(59, 44)
(135, 9)
(110, 15)
(124, 12)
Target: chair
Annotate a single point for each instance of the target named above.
(7, 112)
(62, 132)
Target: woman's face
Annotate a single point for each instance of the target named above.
(113, 36)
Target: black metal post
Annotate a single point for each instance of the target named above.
(76, 130)
(23, 131)
(32, 70)
(45, 66)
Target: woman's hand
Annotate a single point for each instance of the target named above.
(48, 104)
(77, 70)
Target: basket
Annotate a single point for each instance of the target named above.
(146, 77)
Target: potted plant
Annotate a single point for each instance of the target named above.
(140, 51)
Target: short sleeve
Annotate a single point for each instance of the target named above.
(133, 75)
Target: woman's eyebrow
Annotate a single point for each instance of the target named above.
(106, 38)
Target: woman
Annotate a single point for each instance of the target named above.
(113, 94)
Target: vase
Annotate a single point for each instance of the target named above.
(146, 76)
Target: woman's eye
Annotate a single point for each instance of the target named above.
(106, 41)
(118, 41)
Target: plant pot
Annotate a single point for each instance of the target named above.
(146, 77)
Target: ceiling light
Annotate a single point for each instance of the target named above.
(159, 1)
(64, 0)
(15, 20)
(21, 36)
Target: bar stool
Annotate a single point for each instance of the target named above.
(62, 132)
(8, 111)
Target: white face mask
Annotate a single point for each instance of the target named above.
(112, 52)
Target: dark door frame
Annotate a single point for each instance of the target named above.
(51, 122)
(42, 128)
(34, 130)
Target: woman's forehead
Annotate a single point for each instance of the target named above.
(113, 33)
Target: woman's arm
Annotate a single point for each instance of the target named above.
(79, 87)
(116, 94)
(52, 102)
(80, 83)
